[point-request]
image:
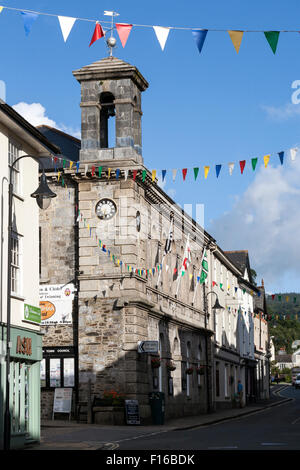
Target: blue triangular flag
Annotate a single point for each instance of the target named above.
(117, 173)
(163, 174)
(77, 166)
(281, 155)
(28, 19)
(199, 36)
(218, 169)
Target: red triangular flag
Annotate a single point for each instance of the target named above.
(98, 33)
(175, 270)
(93, 170)
(123, 32)
(214, 283)
(184, 172)
(273, 297)
(134, 174)
(242, 165)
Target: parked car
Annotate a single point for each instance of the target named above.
(297, 381)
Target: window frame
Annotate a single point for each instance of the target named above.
(16, 237)
(14, 150)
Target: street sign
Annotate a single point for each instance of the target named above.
(148, 346)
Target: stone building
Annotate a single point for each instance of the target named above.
(134, 258)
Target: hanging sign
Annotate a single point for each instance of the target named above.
(132, 411)
(32, 314)
(56, 303)
(148, 347)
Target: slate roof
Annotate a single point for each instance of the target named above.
(239, 258)
(69, 145)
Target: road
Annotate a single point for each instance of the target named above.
(276, 428)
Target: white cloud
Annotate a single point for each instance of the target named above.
(282, 113)
(35, 113)
(265, 220)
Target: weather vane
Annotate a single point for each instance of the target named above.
(111, 41)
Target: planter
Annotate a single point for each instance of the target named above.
(170, 366)
(155, 363)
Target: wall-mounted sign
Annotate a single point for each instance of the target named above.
(148, 347)
(56, 303)
(24, 346)
(32, 314)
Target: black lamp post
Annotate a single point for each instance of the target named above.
(216, 306)
(43, 197)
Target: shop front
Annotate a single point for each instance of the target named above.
(24, 391)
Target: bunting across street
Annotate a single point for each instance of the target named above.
(161, 32)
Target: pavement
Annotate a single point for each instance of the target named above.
(70, 435)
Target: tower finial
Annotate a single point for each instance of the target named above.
(111, 41)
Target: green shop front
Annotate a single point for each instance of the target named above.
(24, 393)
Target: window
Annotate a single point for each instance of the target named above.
(58, 367)
(13, 154)
(15, 264)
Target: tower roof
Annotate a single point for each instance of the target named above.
(111, 68)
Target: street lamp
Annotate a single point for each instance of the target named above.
(43, 196)
(216, 307)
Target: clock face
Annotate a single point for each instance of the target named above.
(106, 209)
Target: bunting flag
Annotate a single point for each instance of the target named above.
(242, 165)
(162, 34)
(206, 170)
(93, 170)
(196, 171)
(254, 163)
(218, 169)
(293, 153)
(134, 174)
(153, 175)
(184, 172)
(199, 36)
(109, 171)
(66, 25)
(281, 156)
(231, 167)
(123, 32)
(163, 175)
(272, 38)
(174, 171)
(144, 174)
(117, 173)
(204, 271)
(125, 174)
(236, 38)
(266, 160)
(98, 33)
(77, 166)
(28, 19)
(71, 164)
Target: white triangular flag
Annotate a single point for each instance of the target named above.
(293, 153)
(85, 169)
(66, 24)
(162, 34)
(125, 174)
(167, 267)
(174, 171)
(231, 166)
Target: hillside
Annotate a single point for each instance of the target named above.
(284, 319)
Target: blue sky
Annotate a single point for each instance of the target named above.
(199, 110)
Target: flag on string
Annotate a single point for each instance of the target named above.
(254, 163)
(218, 169)
(98, 33)
(272, 38)
(153, 175)
(206, 170)
(293, 153)
(196, 171)
(231, 167)
(242, 165)
(163, 174)
(162, 34)
(281, 156)
(125, 174)
(28, 20)
(134, 174)
(85, 169)
(123, 32)
(93, 170)
(117, 173)
(77, 166)
(144, 174)
(99, 171)
(71, 164)
(266, 160)
(184, 172)
(174, 171)
(236, 38)
(66, 25)
(199, 36)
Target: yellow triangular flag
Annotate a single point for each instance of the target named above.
(58, 176)
(1, 8)
(287, 298)
(191, 276)
(206, 170)
(266, 160)
(153, 175)
(236, 38)
(71, 164)
(109, 170)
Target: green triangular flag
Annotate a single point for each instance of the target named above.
(254, 163)
(144, 173)
(279, 297)
(64, 163)
(295, 299)
(272, 38)
(196, 171)
(221, 286)
(99, 171)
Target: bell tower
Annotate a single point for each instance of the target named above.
(111, 88)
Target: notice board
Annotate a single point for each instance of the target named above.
(62, 401)
(132, 412)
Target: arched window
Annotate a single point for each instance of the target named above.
(107, 126)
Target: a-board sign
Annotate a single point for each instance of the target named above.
(62, 400)
(148, 346)
(132, 412)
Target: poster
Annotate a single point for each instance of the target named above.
(56, 303)
(62, 400)
(55, 373)
(69, 372)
